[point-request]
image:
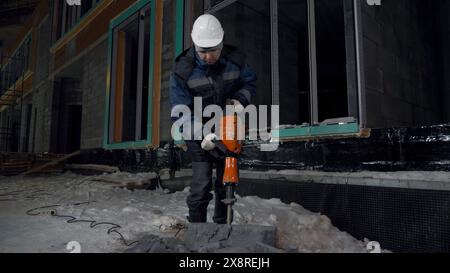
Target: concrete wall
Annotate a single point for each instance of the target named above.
(41, 71)
(400, 45)
(168, 56)
(24, 141)
(93, 84)
(42, 106)
(42, 95)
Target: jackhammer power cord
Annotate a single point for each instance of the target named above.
(72, 219)
(54, 213)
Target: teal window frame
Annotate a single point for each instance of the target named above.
(113, 24)
(178, 48)
(179, 31)
(349, 129)
(319, 131)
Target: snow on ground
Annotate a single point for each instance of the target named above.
(137, 213)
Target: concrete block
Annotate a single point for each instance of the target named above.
(212, 238)
(209, 237)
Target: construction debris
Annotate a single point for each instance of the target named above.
(213, 238)
(54, 162)
(13, 164)
(92, 167)
(130, 181)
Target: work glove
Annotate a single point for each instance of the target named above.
(208, 142)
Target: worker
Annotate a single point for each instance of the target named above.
(217, 73)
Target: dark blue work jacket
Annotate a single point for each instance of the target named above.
(229, 78)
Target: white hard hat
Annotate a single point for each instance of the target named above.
(207, 31)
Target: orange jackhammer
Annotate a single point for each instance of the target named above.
(230, 147)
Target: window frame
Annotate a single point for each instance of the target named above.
(76, 15)
(316, 130)
(133, 10)
(178, 38)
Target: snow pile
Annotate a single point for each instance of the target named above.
(143, 212)
(297, 228)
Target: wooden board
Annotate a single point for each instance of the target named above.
(101, 168)
(49, 164)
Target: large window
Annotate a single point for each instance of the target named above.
(128, 111)
(69, 15)
(304, 52)
(247, 25)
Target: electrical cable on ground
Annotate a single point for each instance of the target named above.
(53, 212)
(72, 220)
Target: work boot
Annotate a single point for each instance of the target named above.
(196, 217)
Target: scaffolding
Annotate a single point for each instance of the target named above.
(16, 6)
(12, 78)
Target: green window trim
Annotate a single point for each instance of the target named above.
(114, 23)
(178, 48)
(306, 132)
(179, 27)
(318, 131)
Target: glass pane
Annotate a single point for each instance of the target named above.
(125, 81)
(293, 62)
(247, 26)
(131, 50)
(334, 23)
(145, 76)
(130, 80)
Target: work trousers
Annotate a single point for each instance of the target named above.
(202, 185)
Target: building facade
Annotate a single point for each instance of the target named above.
(362, 86)
(96, 75)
